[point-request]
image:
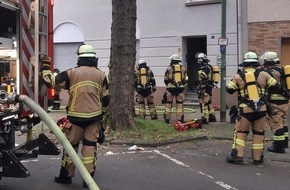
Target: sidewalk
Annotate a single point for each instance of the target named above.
(218, 131)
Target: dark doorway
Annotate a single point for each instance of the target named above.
(194, 45)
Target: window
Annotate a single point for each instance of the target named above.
(201, 2)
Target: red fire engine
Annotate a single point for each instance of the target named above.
(26, 35)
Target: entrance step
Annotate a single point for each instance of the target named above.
(191, 99)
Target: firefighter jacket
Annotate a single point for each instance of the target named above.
(175, 78)
(263, 81)
(145, 82)
(88, 90)
(281, 96)
(205, 76)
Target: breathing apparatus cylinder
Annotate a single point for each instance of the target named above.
(143, 76)
(252, 89)
(216, 73)
(287, 75)
(177, 75)
(9, 89)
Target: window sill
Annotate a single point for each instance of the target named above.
(205, 2)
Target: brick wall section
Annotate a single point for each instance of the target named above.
(266, 35)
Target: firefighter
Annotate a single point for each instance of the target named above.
(277, 103)
(145, 86)
(175, 80)
(251, 84)
(206, 83)
(88, 99)
(56, 100)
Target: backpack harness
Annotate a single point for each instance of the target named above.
(144, 86)
(249, 87)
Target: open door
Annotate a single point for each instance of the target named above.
(194, 45)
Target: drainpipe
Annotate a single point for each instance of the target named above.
(50, 39)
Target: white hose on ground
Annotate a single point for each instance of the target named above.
(61, 137)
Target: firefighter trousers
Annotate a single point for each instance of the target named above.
(258, 122)
(89, 136)
(151, 106)
(206, 106)
(179, 98)
(277, 116)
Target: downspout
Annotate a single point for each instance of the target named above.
(239, 31)
(50, 39)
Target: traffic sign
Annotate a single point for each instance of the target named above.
(223, 41)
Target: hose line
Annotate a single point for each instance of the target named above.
(60, 136)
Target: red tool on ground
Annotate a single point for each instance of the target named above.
(62, 123)
(193, 124)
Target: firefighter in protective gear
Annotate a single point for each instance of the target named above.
(206, 83)
(88, 99)
(145, 86)
(175, 80)
(56, 99)
(277, 103)
(251, 108)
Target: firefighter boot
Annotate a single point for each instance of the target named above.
(278, 147)
(211, 118)
(258, 162)
(63, 177)
(286, 142)
(85, 184)
(286, 136)
(204, 121)
(55, 106)
(154, 118)
(167, 121)
(233, 158)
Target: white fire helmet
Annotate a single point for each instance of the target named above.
(86, 50)
(175, 57)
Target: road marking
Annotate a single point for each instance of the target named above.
(110, 153)
(220, 183)
(172, 159)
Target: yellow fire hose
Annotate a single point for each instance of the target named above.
(161, 109)
(60, 136)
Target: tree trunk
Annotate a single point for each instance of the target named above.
(123, 52)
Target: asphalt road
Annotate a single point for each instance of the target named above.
(185, 166)
(198, 165)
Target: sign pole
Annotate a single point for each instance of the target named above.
(223, 64)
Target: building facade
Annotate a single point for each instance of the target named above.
(269, 27)
(163, 28)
